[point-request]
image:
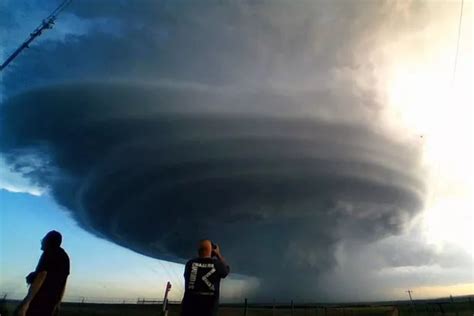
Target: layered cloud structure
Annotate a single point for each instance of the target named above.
(155, 168)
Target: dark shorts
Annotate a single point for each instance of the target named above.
(199, 306)
(41, 308)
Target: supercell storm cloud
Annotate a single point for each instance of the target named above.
(155, 168)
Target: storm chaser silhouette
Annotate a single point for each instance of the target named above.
(202, 276)
(48, 281)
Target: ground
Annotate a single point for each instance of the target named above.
(426, 308)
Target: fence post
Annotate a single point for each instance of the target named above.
(273, 308)
(292, 307)
(441, 309)
(3, 308)
(454, 305)
(81, 306)
(245, 307)
(164, 311)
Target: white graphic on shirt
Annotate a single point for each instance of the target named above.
(194, 271)
(192, 277)
(204, 278)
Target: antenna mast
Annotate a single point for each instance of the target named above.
(45, 25)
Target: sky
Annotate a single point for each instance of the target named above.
(326, 146)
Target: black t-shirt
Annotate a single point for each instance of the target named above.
(202, 278)
(56, 263)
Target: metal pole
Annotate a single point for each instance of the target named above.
(454, 305)
(45, 24)
(245, 307)
(409, 294)
(35, 34)
(164, 311)
(411, 300)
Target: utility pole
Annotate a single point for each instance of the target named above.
(409, 294)
(46, 24)
(411, 300)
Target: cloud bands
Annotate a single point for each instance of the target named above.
(155, 168)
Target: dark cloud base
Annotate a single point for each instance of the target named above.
(156, 168)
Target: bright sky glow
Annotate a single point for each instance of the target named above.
(425, 100)
(423, 104)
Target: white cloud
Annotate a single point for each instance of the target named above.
(15, 182)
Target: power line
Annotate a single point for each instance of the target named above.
(178, 278)
(46, 24)
(172, 276)
(60, 8)
(457, 46)
(437, 162)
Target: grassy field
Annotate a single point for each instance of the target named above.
(420, 309)
(438, 309)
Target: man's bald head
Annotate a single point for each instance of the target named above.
(205, 248)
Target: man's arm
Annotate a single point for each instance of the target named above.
(33, 290)
(186, 270)
(217, 253)
(62, 293)
(57, 307)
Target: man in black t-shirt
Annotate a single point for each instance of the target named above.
(48, 281)
(202, 276)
